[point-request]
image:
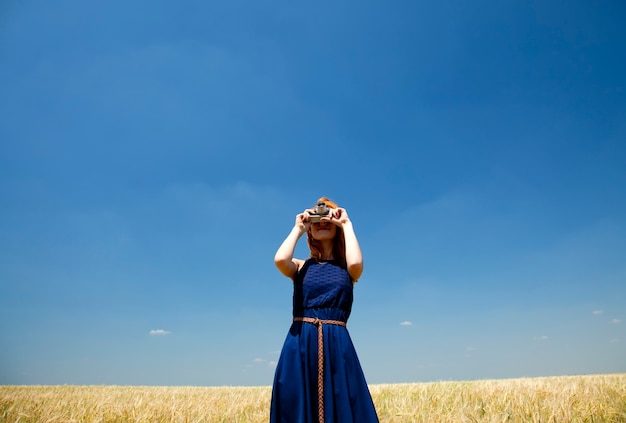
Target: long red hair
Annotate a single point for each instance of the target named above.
(339, 243)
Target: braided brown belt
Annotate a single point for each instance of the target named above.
(320, 356)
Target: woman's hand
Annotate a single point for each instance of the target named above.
(339, 217)
(303, 222)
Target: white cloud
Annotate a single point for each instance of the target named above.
(616, 321)
(258, 360)
(598, 312)
(154, 332)
(406, 323)
(271, 363)
(541, 338)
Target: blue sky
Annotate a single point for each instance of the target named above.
(153, 156)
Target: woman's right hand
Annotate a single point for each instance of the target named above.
(302, 221)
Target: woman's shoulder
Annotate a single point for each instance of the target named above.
(299, 263)
(303, 265)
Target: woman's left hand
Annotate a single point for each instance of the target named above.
(339, 216)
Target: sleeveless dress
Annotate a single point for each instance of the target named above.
(322, 290)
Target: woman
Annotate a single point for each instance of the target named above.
(318, 376)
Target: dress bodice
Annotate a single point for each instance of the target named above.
(322, 285)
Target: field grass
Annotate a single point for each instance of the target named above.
(594, 398)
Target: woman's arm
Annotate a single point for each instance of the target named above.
(283, 259)
(354, 257)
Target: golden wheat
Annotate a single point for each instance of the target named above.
(597, 398)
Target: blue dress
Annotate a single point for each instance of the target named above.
(322, 290)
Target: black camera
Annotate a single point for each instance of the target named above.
(319, 211)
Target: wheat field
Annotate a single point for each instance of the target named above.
(593, 398)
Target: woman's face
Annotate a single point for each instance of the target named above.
(323, 231)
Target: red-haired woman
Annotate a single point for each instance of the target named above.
(318, 376)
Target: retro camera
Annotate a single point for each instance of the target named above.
(319, 211)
